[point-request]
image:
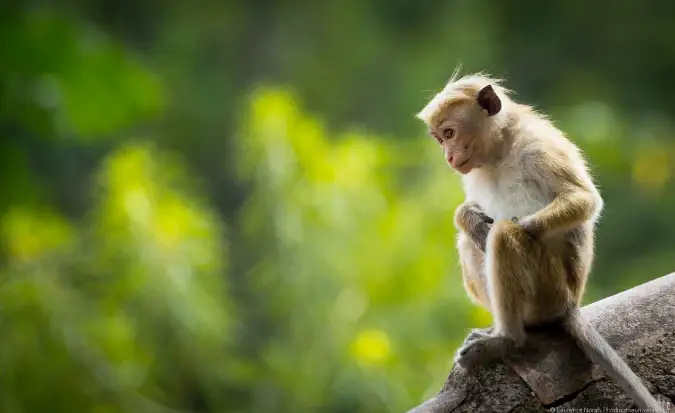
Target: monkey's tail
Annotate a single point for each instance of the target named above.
(598, 350)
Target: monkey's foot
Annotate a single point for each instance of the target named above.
(477, 333)
(483, 350)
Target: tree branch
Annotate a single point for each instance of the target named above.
(551, 373)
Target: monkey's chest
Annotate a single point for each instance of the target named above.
(508, 196)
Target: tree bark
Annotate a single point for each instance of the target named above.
(551, 374)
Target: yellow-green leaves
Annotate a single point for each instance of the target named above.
(371, 347)
(356, 227)
(651, 168)
(28, 234)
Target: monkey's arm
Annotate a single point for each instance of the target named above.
(471, 219)
(576, 198)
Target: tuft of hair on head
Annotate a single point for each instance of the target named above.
(460, 89)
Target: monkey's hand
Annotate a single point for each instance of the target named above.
(471, 219)
(528, 226)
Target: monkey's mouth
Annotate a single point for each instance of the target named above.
(465, 167)
(464, 163)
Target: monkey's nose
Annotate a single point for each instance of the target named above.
(450, 161)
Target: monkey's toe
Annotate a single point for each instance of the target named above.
(481, 350)
(478, 333)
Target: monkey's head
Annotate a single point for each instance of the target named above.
(466, 119)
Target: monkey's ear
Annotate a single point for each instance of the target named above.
(488, 100)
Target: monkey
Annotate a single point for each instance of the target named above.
(526, 226)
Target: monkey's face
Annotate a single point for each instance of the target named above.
(464, 130)
(460, 133)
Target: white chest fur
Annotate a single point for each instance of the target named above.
(505, 192)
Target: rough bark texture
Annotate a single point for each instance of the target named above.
(551, 374)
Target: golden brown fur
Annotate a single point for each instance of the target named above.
(527, 225)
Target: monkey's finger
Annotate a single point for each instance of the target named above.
(476, 210)
(483, 216)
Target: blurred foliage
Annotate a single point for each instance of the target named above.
(230, 207)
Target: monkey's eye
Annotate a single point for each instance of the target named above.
(436, 137)
(449, 133)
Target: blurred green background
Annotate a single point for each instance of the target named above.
(228, 206)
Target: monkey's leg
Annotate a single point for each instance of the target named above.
(513, 260)
(472, 260)
(473, 274)
(512, 263)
